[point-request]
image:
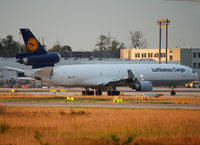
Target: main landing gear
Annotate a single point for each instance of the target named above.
(91, 93)
(99, 93)
(113, 93)
(173, 91)
(88, 93)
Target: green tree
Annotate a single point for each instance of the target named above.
(60, 49)
(9, 47)
(116, 46)
(108, 44)
(66, 48)
(101, 43)
(1, 45)
(9, 43)
(56, 48)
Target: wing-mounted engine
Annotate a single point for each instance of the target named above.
(139, 85)
(39, 61)
(142, 86)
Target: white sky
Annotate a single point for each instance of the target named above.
(78, 23)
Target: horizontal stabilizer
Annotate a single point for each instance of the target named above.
(15, 69)
(44, 72)
(23, 78)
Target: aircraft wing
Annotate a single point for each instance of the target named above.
(121, 81)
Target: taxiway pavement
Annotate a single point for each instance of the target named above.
(103, 105)
(125, 90)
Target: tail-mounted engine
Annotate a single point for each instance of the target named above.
(39, 61)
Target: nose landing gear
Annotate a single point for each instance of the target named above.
(173, 91)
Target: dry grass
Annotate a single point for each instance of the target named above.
(85, 126)
(168, 100)
(21, 96)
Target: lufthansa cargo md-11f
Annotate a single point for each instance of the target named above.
(100, 77)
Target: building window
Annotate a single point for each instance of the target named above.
(194, 65)
(143, 55)
(162, 54)
(137, 55)
(199, 65)
(156, 54)
(198, 55)
(194, 55)
(171, 57)
(150, 55)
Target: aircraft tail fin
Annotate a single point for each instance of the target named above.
(36, 55)
(33, 46)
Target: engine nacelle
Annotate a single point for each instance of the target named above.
(144, 86)
(38, 61)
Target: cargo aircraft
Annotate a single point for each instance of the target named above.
(96, 78)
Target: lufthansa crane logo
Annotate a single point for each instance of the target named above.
(32, 44)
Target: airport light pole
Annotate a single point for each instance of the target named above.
(163, 23)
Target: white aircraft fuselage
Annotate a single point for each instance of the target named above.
(94, 75)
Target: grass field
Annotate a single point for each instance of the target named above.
(85, 126)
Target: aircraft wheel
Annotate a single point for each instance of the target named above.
(109, 93)
(113, 93)
(87, 93)
(117, 93)
(173, 93)
(98, 93)
(90, 93)
(83, 93)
